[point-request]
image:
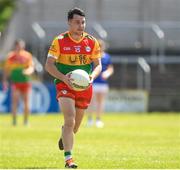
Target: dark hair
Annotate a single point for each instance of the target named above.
(20, 42)
(76, 11)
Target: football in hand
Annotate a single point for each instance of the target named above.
(80, 79)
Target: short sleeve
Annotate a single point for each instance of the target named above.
(54, 50)
(109, 59)
(7, 62)
(30, 62)
(96, 51)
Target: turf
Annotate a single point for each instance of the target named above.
(128, 141)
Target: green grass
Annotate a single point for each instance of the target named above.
(128, 141)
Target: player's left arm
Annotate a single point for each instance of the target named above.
(30, 69)
(108, 72)
(97, 69)
(96, 59)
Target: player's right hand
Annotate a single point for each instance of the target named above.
(68, 80)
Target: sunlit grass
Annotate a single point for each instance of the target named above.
(127, 141)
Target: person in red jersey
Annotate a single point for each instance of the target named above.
(18, 68)
(74, 49)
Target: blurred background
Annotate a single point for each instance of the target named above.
(143, 37)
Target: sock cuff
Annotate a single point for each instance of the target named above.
(67, 153)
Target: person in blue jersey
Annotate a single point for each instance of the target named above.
(100, 88)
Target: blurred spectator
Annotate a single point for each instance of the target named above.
(100, 88)
(18, 68)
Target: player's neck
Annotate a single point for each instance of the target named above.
(75, 36)
(18, 51)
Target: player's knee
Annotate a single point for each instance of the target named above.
(69, 123)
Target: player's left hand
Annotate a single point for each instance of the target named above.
(105, 75)
(28, 71)
(91, 79)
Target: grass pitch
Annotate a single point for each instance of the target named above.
(128, 141)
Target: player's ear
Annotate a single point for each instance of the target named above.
(69, 22)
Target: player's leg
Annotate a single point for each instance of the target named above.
(101, 97)
(100, 104)
(78, 118)
(91, 109)
(62, 91)
(14, 104)
(60, 142)
(68, 109)
(25, 96)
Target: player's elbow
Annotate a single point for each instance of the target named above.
(47, 66)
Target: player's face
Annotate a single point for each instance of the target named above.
(77, 24)
(18, 47)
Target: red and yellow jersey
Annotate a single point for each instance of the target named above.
(16, 63)
(71, 54)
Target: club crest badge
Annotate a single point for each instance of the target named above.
(64, 91)
(88, 49)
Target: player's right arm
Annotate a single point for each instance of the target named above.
(6, 72)
(4, 81)
(50, 67)
(109, 70)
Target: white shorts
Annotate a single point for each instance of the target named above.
(100, 88)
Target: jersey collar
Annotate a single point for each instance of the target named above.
(75, 40)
